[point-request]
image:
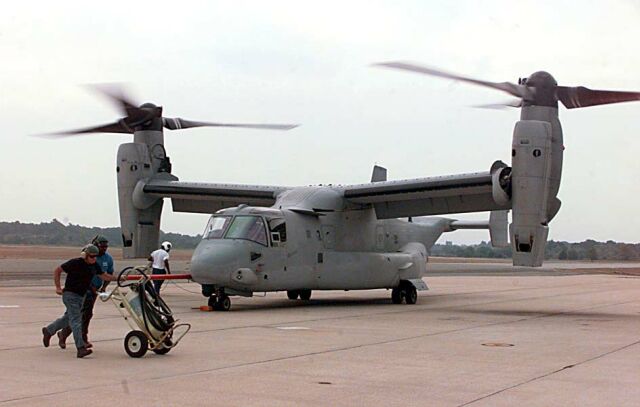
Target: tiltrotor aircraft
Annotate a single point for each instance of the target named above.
(299, 239)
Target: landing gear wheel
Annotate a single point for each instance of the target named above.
(293, 294)
(410, 294)
(136, 344)
(396, 295)
(212, 301)
(305, 295)
(223, 303)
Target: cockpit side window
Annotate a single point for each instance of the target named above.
(278, 229)
(249, 228)
(216, 227)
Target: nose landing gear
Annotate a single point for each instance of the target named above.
(404, 291)
(220, 302)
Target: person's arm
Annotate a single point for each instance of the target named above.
(166, 266)
(105, 284)
(107, 277)
(56, 279)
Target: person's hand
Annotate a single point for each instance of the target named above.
(58, 290)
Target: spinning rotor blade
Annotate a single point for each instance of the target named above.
(117, 127)
(579, 96)
(511, 103)
(117, 96)
(539, 89)
(178, 123)
(520, 91)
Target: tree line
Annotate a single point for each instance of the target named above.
(587, 250)
(55, 233)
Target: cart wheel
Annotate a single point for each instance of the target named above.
(164, 349)
(136, 344)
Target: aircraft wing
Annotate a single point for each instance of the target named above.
(201, 197)
(427, 196)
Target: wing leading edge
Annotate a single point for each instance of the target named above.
(201, 197)
(428, 196)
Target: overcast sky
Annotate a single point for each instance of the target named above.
(309, 63)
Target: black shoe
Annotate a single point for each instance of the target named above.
(46, 337)
(62, 340)
(82, 352)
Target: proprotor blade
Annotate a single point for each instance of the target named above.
(520, 91)
(179, 123)
(579, 96)
(117, 127)
(504, 105)
(115, 93)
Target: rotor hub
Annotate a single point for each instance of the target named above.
(544, 87)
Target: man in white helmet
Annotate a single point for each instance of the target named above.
(160, 265)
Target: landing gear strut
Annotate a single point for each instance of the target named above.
(404, 291)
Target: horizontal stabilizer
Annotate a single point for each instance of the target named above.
(497, 225)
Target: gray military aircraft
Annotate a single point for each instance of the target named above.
(299, 239)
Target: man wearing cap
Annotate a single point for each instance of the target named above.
(105, 262)
(79, 271)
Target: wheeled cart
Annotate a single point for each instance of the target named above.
(152, 323)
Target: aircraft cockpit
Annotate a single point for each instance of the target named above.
(267, 229)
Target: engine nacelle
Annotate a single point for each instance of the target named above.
(140, 227)
(532, 190)
(140, 213)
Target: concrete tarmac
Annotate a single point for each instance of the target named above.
(480, 337)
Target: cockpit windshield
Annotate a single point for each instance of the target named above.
(246, 227)
(216, 227)
(249, 228)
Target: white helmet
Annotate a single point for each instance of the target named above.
(166, 246)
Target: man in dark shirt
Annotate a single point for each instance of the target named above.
(79, 271)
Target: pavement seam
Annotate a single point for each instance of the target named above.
(550, 373)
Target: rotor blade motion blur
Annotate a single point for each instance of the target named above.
(511, 88)
(539, 89)
(504, 105)
(178, 123)
(117, 127)
(149, 117)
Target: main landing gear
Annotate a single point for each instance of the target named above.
(404, 291)
(304, 295)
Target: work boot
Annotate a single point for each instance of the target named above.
(46, 337)
(87, 344)
(62, 339)
(82, 352)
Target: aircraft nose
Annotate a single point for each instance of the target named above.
(214, 261)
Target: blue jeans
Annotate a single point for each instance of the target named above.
(72, 317)
(158, 283)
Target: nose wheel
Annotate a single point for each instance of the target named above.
(220, 302)
(406, 292)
